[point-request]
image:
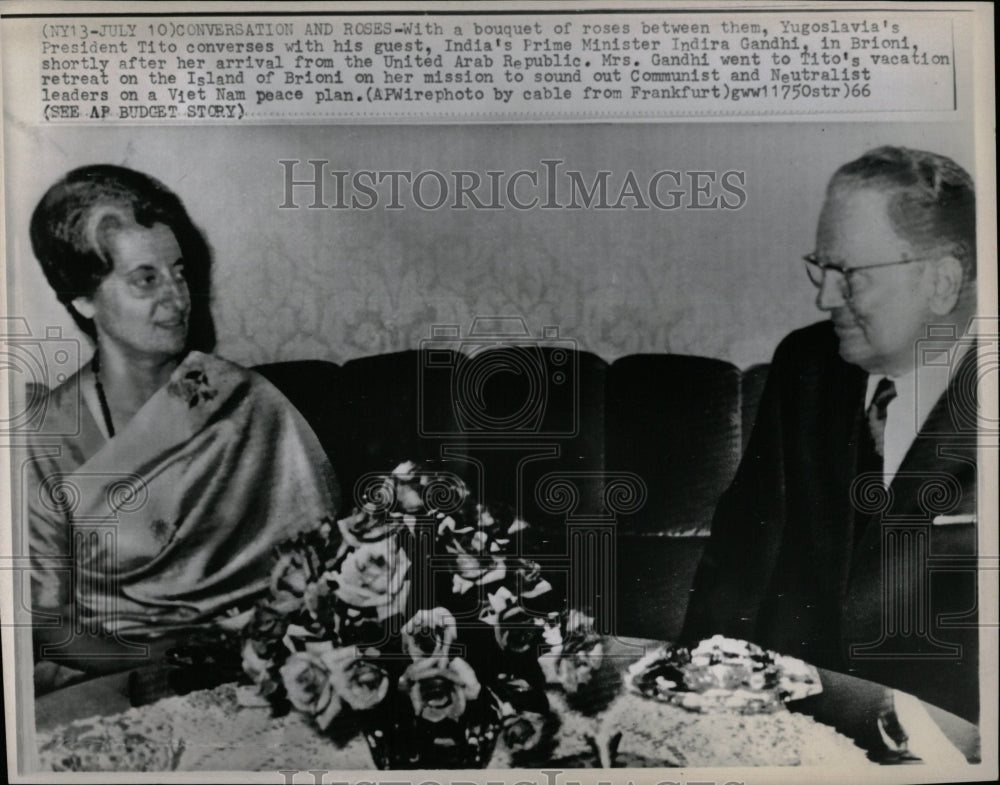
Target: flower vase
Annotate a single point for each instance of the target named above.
(399, 739)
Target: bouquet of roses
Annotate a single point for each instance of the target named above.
(417, 617)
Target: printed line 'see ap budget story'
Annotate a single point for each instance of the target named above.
(264, 69)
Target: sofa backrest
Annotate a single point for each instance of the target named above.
(751, 388)
(516, 417)
(533, 425)
(675, 421)
(391, 411)
(543, 430)
(311, 386)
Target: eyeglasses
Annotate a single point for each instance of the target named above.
(846, 280)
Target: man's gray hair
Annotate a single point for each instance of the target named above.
(932, 201)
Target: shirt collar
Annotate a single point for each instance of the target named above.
(919, 391)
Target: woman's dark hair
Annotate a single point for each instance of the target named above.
(72, 225)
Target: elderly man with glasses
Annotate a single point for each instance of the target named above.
(848, 536)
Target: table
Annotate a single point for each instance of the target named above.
(208, 730)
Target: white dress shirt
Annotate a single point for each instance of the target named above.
(916, 394)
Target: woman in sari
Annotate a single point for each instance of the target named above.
(162, 476)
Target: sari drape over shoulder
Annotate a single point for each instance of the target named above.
(171, 523)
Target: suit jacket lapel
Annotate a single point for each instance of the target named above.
(930, 454)
(849, 419)
(951, 422)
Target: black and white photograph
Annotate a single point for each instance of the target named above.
(491, 391)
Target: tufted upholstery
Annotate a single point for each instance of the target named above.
(529, 425)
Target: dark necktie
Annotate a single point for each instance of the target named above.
(871, 447)
(877, 410)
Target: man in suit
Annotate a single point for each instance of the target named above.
(848, 536)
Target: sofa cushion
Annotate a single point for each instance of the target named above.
(392, 410)
(653, 583)
(543, 429)
(751, 387)
(676, 422)
(541, 414)
(313, 388)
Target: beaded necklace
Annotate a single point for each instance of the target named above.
(95, 365)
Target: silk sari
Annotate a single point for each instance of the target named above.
(171, 523)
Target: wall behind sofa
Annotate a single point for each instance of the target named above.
(339, 284)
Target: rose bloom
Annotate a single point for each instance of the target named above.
(409, 497)
(267, 624)
(474, 571)
(516, 631)
(474, 568)
(309, 687)
(420, 489)
(316, 594)
(429, 633)
(474, 532)
(374, 576)
(359, 682)
(530, 581)
(523, 731)
(440, 689)
(579, 623)
(407, 486)
(290, 577)
(576, 667)
(258, 669)
(365, 526)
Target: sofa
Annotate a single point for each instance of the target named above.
(617, 466)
